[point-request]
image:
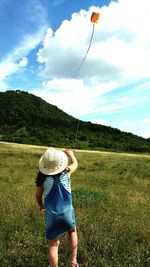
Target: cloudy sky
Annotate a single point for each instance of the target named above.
(42, 45)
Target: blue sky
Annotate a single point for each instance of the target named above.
(42, 44)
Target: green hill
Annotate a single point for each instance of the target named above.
(26, 118)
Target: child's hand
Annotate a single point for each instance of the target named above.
(74, 164)
(42, 209)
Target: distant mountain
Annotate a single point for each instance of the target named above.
(26, 118)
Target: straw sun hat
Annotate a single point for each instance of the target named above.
(53, 161)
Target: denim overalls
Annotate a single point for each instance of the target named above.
(58, 205)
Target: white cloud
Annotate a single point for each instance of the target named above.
(29, 30)
(3, 86)
(17, 58)
(119, 56)
(146, 120)
(118, 59)
(116, 73)
(72, 96)
(100, 121)
(23, 62)
(139, 127)
(120, 48)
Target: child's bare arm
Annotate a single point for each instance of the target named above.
(74, 163)
(39, 193)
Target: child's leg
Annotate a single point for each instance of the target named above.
(53, 245)
(73, 241)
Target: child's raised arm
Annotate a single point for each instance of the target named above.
(74, 163)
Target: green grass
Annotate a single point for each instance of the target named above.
(111, 201)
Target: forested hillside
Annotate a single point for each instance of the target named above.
(26, 118)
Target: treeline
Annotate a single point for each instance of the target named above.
(26, 118)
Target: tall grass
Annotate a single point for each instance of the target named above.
(111, 200)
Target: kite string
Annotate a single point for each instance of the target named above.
(89, 45)
(78, 122)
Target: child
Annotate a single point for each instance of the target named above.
(53, 180)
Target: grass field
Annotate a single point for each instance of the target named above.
(111, 200)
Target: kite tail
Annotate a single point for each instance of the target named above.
(88, 46)
(78, 70)
(76, 133)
